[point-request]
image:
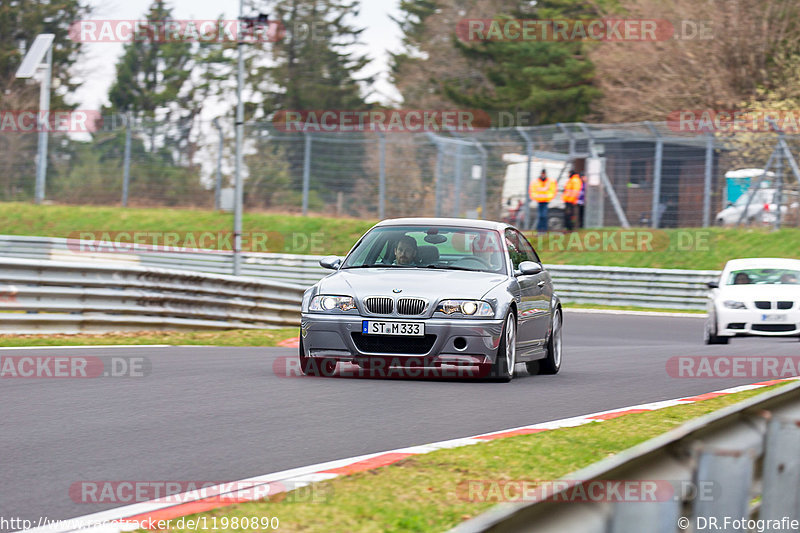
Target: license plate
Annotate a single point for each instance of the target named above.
(773, 318)
(376, 327)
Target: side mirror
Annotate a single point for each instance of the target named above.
(713, 284)
(529, 268)
(331, 262)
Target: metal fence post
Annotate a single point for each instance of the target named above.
(218, 182)
(126, 164)
(306, 172)
(656, 176)
(778, 187)
(526, 206)
(484, 176)
(382, 178)
(707, 181)
(609, 187)
(457, 180)
(44, 111)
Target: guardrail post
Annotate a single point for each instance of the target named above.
(731, 472)
(306, 172)
(660, 517)
(781, 494)
(126, 164)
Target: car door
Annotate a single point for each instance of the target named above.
(544, 294)
(529, 338)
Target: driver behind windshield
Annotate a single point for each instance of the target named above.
(405, 253)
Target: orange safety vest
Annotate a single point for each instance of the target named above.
(542, 191)
(572, 191)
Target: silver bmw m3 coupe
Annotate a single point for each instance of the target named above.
(434, 292)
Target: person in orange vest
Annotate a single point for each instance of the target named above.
(542, 192)
(572, 193)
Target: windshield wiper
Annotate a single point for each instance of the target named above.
(372, 266)
(451, 267)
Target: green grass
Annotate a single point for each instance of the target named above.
(239, 337)
(687, 248)
(422, 493)
(284, 233)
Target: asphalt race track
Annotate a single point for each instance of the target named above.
(221, 414)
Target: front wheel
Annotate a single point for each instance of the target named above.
(551, 364)
(503, 368)
(710, 332)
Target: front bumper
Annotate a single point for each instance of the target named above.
(741, 322)
(446, 342)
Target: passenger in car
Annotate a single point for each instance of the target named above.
(741, 279)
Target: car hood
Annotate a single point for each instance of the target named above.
(430, 284)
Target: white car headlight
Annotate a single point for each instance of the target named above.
(733, 304)
(465, 307)
(323, 303)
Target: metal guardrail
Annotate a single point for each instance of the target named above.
(640, 287)
(746, 454)
(42, 296)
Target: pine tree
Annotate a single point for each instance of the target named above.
(154, 83)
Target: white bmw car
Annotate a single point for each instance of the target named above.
(754, 297)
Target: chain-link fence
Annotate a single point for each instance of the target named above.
(638, 174)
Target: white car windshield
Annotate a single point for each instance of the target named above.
(764, 276)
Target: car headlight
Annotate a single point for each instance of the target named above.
(465, 307)
(325, 303)
(733, 304)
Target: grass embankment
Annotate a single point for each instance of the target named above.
(238, 337)
(426, 492)
(674, 248)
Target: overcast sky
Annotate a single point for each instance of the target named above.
(380, 35)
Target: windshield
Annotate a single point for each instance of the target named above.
(429, 247)
(764, 276)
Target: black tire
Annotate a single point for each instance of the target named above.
(551, 364)
(312, 366)
(710, 332)
(500, 370)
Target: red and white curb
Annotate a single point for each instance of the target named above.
(146, 514)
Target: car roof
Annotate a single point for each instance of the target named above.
(457, 222)
(762, 262)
